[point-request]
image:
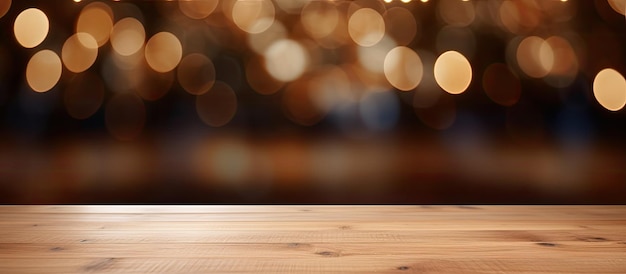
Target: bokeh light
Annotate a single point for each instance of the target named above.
(618, 6)
(217, 106)
(330, 88)
(292, 6)
(259, 42)
(320, 18)
(565, 62)
(366, 27)
(298, 104)
(84, 95)
(535, 57)
(79, 52)
(196, 73)
(501, 84)
(401, 25)
(456, 13)
(5, 5)
(403, 68)
(373, 58)
(128, 36)
(259, 79)
(520, 17)
(197, 9)
(31, 27)
(253, 16)
(286, 60)
(163, 52)
(152, 85)
(96, 19)
(609, 88)
(125, 116)
(43, 71)
(453, 72)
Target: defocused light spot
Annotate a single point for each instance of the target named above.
(253, 16)
(196, 73)
(128, 36)
(79, 52)
(97, 20)
(125, 115)
(84, 95)
(163, 52)
(373, 58)
(453, 72)
(259, 79)
(152, 85)
(565, 63)
(457, 13)
(355, 5)
(618, 6)
(298, 104)
(319, 18)
(292, 6)
(609, 88)
(366, 27)
(427, 92)
(379, 110)
(122, 73)
(197, 9)
(217, 106)
(230, 162)
(339, 36)
(403, 68)
(5, 5)
(401, 25)
(330, 88)
(31, 27)
(501, 85)
(286, 60)
(259, 42)
(520, 16)
(535, 57)
(43, 70)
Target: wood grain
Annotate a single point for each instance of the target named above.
(313, 239)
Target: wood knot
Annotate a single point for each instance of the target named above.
(328, 254)
(592, 239)
(345, 227)
(547, 244)
(57, 248)
(404, 267)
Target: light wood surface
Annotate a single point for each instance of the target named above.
(313, 239)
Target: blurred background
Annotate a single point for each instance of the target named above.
(313, 101)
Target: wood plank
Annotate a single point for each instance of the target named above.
(313, 239)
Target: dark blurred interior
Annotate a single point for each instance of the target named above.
(298, 101)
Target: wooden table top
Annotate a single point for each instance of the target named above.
(313, 239)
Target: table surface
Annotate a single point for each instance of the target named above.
(313, 239)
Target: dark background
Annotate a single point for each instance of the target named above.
(555, 145)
